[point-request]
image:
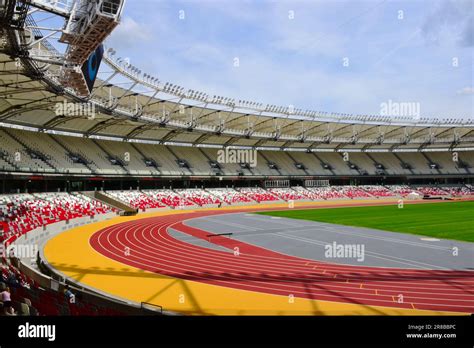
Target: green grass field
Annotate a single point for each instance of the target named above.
(450, 220)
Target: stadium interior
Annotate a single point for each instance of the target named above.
(138, 154)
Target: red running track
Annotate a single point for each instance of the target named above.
(146, 244)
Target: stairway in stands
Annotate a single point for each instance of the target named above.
(70, 153)
(295, 161)
(112, 201)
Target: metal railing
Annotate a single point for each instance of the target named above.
(111, 7)
(60, 7)
(153, 308)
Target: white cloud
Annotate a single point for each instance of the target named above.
(450, 19)
(466, 91)
(298, 61)
(129, 34)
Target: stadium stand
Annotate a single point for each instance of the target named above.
(258, 194)
(307, 193)
(288, 194)
(136, 199)
(22, 213)
(170, 138)
(377, 191)
(458, 190)
(431, 190)
(326, 192)
(352, 192)
(168, 198)
(199, 196)
(229, 195)
(45, 153)
(30, 299)
(401, 190)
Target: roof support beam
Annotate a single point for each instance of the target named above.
(102, 125)
(173, 133)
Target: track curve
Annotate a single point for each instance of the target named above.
(146, 244)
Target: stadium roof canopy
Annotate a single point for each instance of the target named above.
(126, 103)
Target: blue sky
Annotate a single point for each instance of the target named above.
(293, 52)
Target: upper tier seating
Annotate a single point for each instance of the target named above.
(35, 152)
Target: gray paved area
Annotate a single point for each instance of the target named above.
(311, 240)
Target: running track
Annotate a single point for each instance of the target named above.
(146, 244)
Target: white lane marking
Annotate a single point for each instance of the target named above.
(265, 219)
(266, 287)
(227, 223)
(196, 241)
(413, 263)
(388, 239)
(334, 228)
(430, 239)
